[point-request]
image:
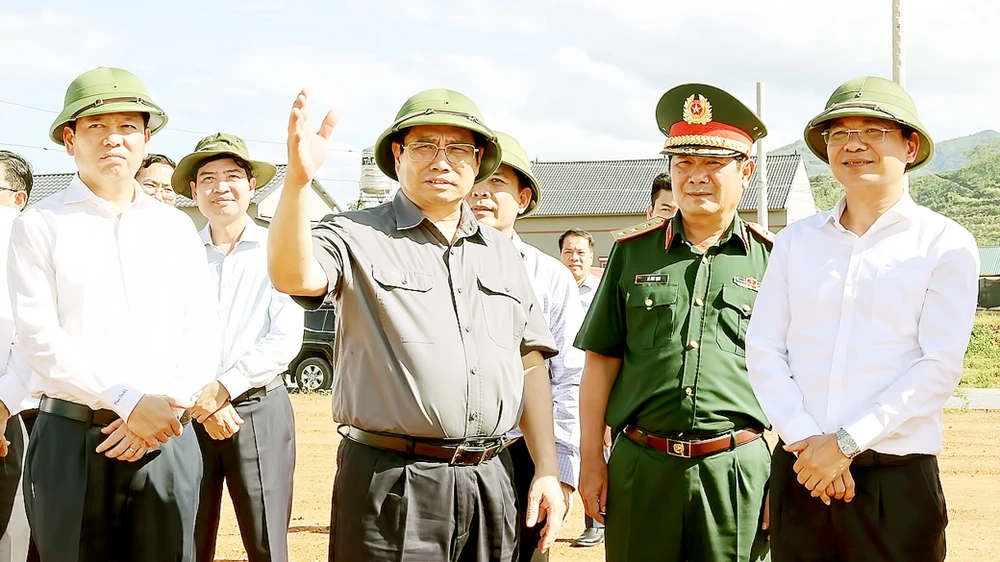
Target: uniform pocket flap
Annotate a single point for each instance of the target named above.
(496, 287)
(652, 296)
(739, 298)
(392, 278)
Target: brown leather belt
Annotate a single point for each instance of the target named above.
(686, 449)
(83, 414)
(468, 452)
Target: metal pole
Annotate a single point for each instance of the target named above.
(762, 206)
(898, 68)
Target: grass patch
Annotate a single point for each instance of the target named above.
(982, 360)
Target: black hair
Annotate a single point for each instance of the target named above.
(17, 172)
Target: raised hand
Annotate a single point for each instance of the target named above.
(306, 149)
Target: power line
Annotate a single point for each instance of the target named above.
(169, 128)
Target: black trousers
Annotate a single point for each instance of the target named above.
(10, 470)
(524, 471)
(257, 465)
(392, 507)
(83, 506)
(898, 513)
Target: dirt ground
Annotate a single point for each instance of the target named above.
(970, 468)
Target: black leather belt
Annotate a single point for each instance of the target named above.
(76, 412)
(261, 391)
(468, 452)
(84, 414)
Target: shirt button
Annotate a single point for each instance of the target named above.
(405, 281)
(468, 328)
(699, 302)
(473, 416)
(649, 302)
(693, 344)
(689, 391)
(459, 290)
(475, 370)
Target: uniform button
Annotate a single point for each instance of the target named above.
(693, 344)
(699, 302)
(689, 391)
(468, 328)
(746, 308)
(704, 260)
(649, 302)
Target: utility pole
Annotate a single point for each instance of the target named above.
(898, 68)
(762, 206)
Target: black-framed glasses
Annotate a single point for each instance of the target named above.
(458, 153)
(871, 135)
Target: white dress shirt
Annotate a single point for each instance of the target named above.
(587, 290)
(865, 333)
(108, 308)
(559, 296)
(261, 328)
(13, 371)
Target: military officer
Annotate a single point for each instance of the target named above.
(665, 363)
(441, 344)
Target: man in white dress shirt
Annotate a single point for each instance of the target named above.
(112, 470)
(512, 192)
(857, 341)
(15, 189)
(246, 428)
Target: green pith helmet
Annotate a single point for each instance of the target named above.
(515, 157)
(213, 145)
(439, 107)
(870, 96)
(702, 120)
(102, 91)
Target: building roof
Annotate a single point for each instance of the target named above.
(48, 184)
(989, 257)
(621, 187)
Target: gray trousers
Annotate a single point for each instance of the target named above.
(14, 532)
(257, 465)
(392, 507)
(83, 506)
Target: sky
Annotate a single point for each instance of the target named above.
(571, 80)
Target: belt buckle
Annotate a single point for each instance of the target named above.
(681, 449)
(469, 456)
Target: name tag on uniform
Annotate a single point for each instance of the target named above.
(652, 279)
(747, 283)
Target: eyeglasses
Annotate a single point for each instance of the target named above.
(455, 153)
(873, 135)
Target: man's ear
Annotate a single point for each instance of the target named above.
(69, 136)
(523, 200)
(20, 199)
(748, 167)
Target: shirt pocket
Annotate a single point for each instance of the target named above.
(735, 307)
(649, 315)
(504, 314)
(898, 297)
(405, 303)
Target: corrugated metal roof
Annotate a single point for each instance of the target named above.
(48, 184)
(989, 256)
(621, 187)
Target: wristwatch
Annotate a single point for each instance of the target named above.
(847, 444)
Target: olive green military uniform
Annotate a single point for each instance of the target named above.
(677, 318)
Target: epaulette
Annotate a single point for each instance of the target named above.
(641, 228)
(761, 232)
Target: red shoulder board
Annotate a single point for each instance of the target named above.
(761, 232)
(641, 228)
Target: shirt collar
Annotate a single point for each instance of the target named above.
(78, 191)
(252, 232)
(905, 208)
(737, 231)
(518, 243)
(590, 281)
(408, 216)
